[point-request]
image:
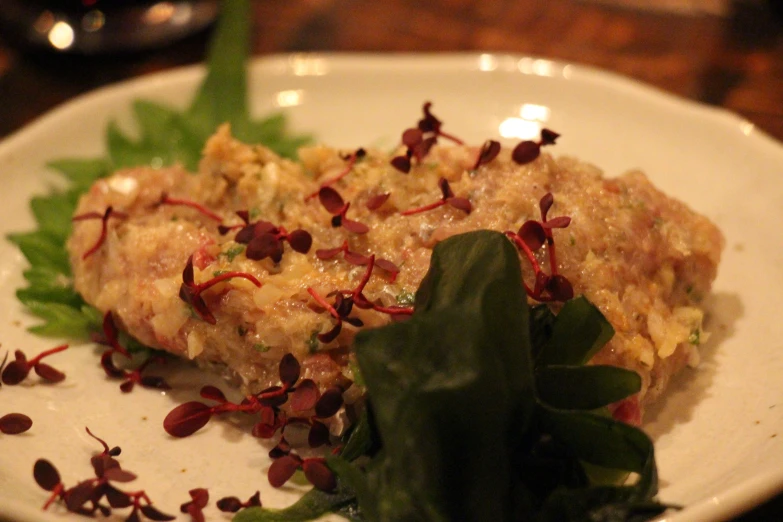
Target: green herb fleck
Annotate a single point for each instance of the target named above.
(232, 252)
(695, 337)
(405, 298)
(261, 347)
(313, 343)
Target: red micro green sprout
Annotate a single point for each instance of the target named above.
(307, 406)
(447, 197)
(233, 504)
(15, 423)
(264, 239)
(355, 258)
(132, 377)
(527, 151)
(530, 237)
(344, 301)
(377, 201)
(333, 202)
(420, 139)
(86, 497)
(315, 469)
(190, 291)
(165, 199)
(108, 213)
(488, 152)
(351, 160)
(199, 498)
(17, 370)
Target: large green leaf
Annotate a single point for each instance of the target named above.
(455, 377)
(578, 332)
(585, 387)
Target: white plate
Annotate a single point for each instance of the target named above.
(719, 433)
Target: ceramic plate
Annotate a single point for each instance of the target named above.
(718, 433)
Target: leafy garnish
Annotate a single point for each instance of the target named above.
(165, 136)
(472, 426)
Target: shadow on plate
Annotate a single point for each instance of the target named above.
(692, 385)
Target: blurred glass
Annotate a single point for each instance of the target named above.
(102, 26)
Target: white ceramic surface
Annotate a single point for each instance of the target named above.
(719, 433)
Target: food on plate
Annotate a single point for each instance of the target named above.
(255, 256)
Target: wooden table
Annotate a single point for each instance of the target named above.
(733, 61)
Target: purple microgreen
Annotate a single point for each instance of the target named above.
(489, 151)
(533, 234)
(328, 253)
(78, 495)
(525, 152)
(447, 197)
(190, 291)
(117, 498)
(119, 475)
(15, 423)
(46, 475)
(213, 393)
(17, 370)
(263, 246)
(283, 469)
(528, 150)
(165, 199)
(530, 237)
(264, 240)
(401, 163)
(355, 258)
(132, 377)
(548, 137)
(229, 504)
(194, 507)
(351, 160)
(354, 226)
(318, 435)
(108, 213)
(289, 370)
(429, 123)
(412, 137)
(330, 402)
(305, 396)
(331, 200)
(187, 418)
(420, 139)
(318, 473)
(85, 498)
(559, 288)
(233, 504)
(300, 241)
(112, 452)
(377, 201)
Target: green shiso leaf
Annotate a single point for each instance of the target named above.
(81, 172)
(455, 377)
(165, 137)
(578, 332)
(62, 320)
(585, 387)
(43, 249)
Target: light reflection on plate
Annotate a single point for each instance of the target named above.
(718, 435)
